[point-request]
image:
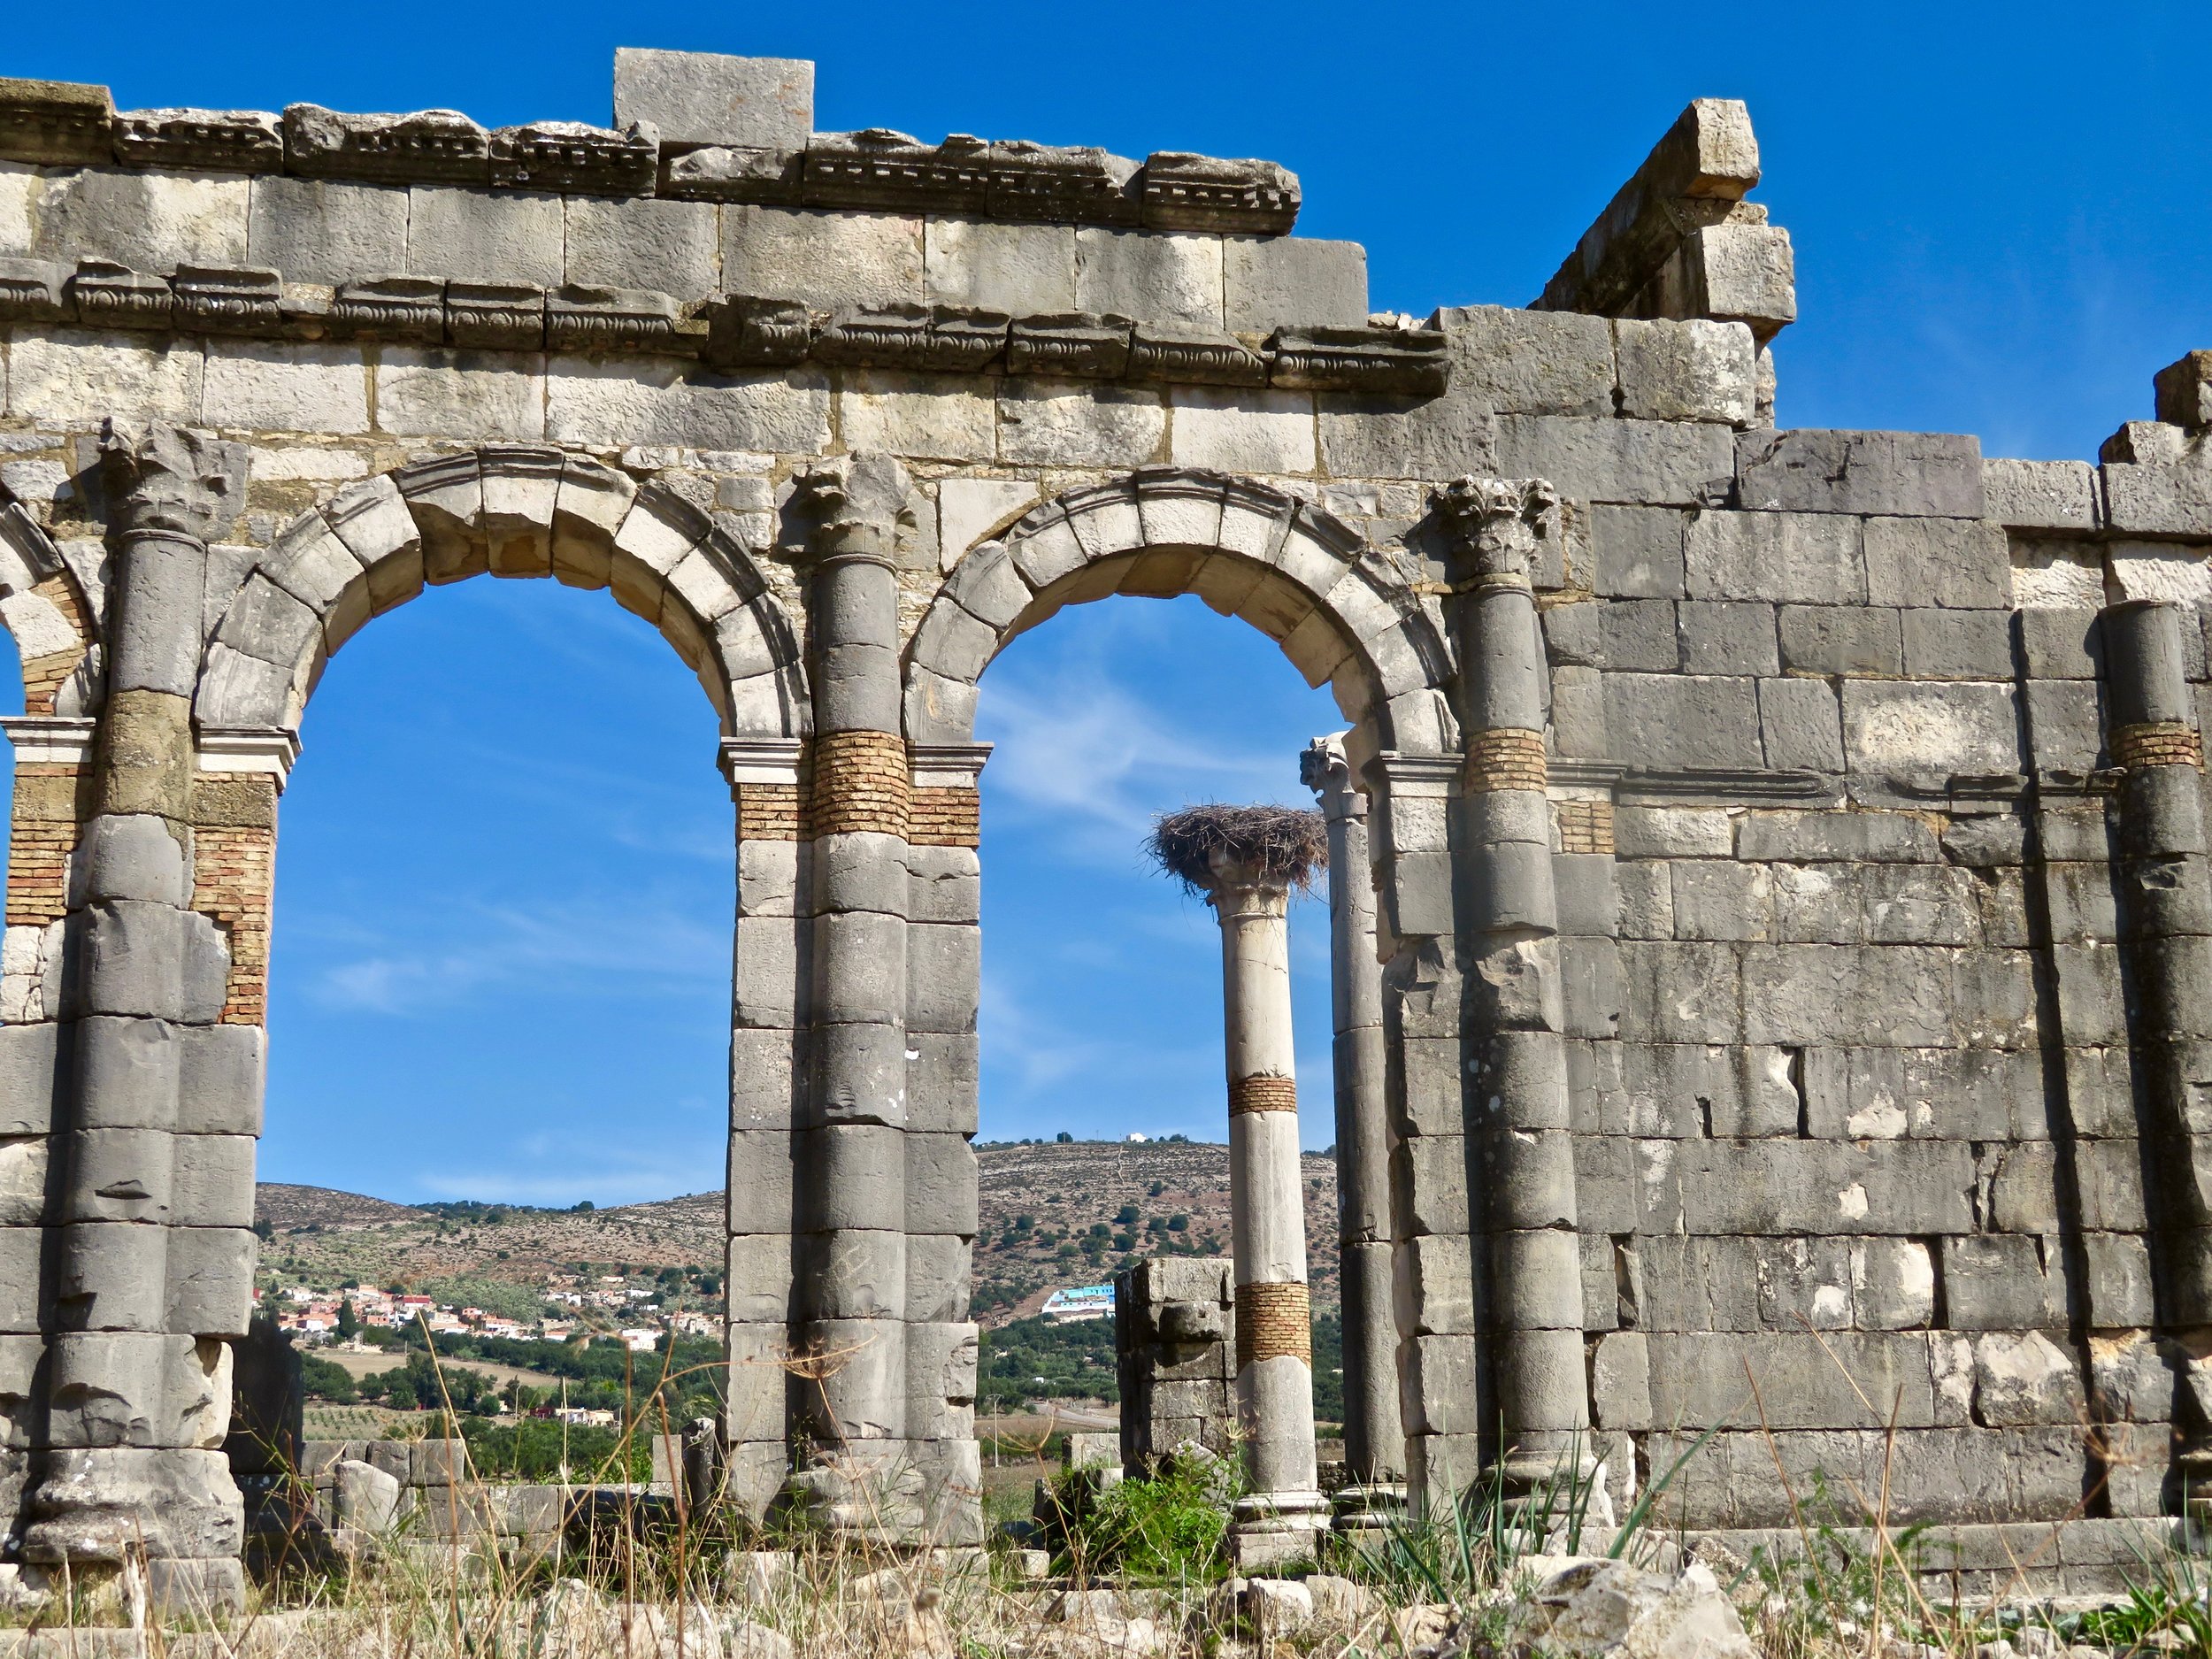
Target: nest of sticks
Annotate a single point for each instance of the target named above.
(1285, 843)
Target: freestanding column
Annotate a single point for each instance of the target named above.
(2166, 884)
(137, 1374)
(1374, 1441)
(1245, 861)
(850, 1152)
(1513, 1022)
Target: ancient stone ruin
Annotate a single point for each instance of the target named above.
(1770, 867)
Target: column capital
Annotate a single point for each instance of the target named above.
(853, 504)
(1325, 768)
(166, 481)
(1501, 525)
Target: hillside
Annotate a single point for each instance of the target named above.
(1065, 1191)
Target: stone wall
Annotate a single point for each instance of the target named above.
(1787, 844)
(1174, 1352)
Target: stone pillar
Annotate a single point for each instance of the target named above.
(145, 1289)
(849, 1151)
(1274, 1310)
(1245, 860)
(2166, 920)
(768, 1100)
(944, 955)
(1374, 1440)
(1527, 1258)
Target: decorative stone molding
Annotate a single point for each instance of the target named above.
(58, 123)
(733, 332)
(267, 751)
(45, 739)
(947, 808)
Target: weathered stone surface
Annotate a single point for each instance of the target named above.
(670, 246)
(1292, 281)
(325, 230)
(692, 98)
(826, 259)
(1811, 471)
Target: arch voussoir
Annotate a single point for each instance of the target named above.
(506, 510)
(1292, 569)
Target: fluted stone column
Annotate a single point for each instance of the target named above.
(850, 1152)
(1523, 1213)
(137, 1373)
(2166, 885)
(1374, 1438)
(1276, 1520)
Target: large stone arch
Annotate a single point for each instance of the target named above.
(1293, 570)
(502, 509)
(1343, 615)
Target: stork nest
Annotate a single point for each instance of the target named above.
(1284, 842)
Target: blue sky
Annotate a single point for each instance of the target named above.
(504, 880)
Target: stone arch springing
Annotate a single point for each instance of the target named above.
(1293, 571)
(45, 609)
(505, 511)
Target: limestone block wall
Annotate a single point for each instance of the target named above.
(1787, 845)
(1175, 1357)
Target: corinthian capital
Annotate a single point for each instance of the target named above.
(1501, 523)
(165, 480)
(854, 502)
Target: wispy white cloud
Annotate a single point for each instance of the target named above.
(617, 952)
(1081, 748)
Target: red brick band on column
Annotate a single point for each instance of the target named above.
(2157, 743)
(861, 784)
(1272, 1321)
(1506, 758)
(1263, 1094)
(41, 836)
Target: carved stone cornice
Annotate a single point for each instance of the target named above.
(852, 504)
(166, 481)
(1501, 525)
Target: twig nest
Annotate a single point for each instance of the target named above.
(1203, 847)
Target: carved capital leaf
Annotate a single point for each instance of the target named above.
(166, 480)
(1501, 522)
(854, 501)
